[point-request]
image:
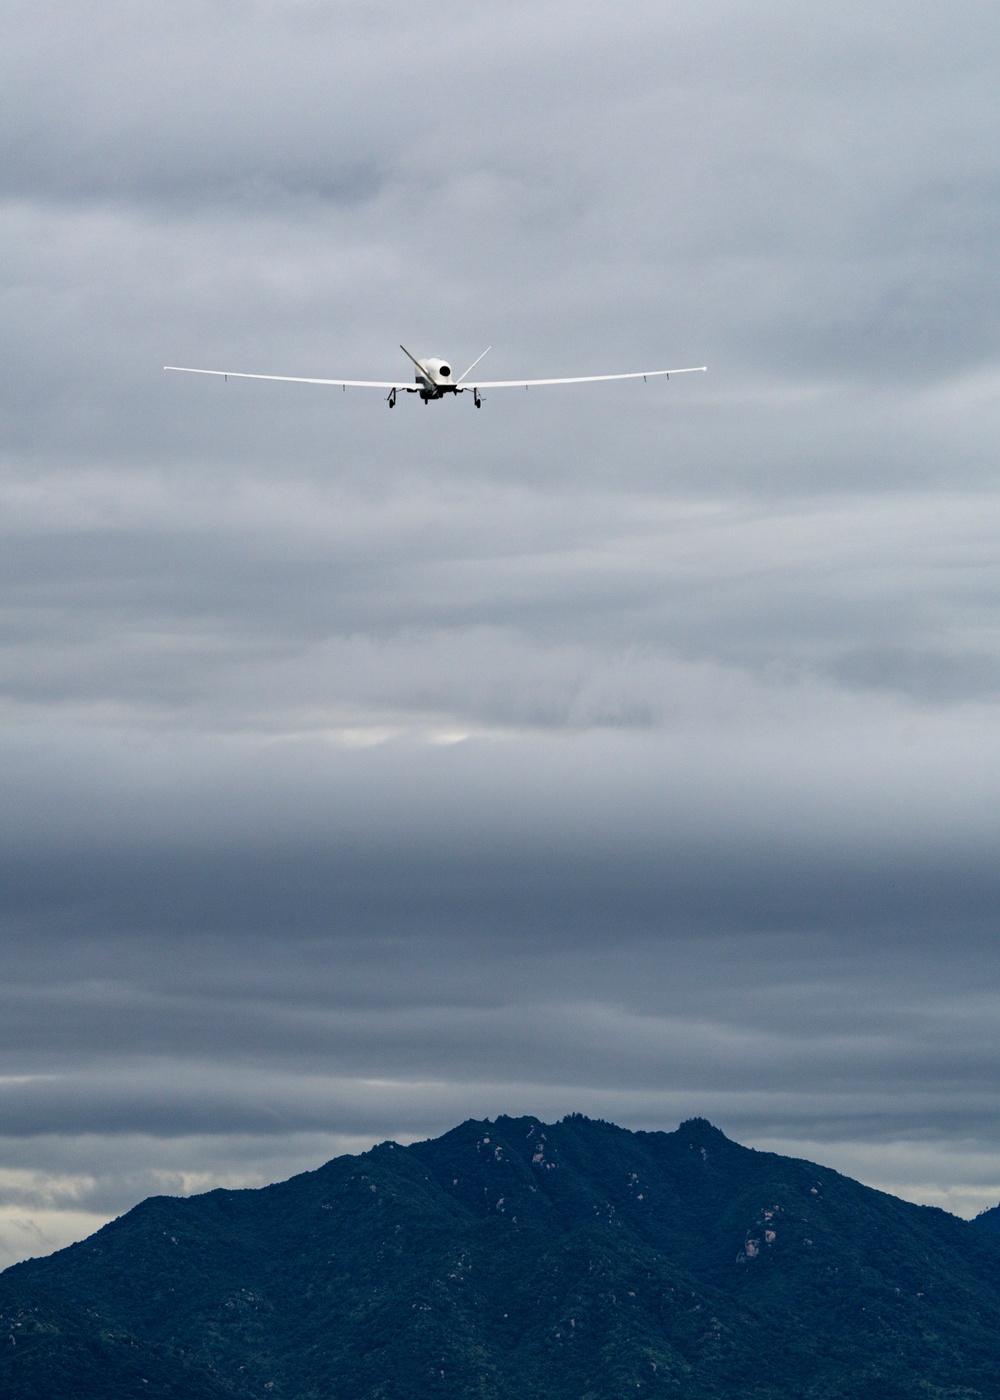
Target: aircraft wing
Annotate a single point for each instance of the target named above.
(580, 379)
(298, 379)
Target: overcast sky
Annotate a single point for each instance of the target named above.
(629, 749)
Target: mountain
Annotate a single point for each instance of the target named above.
(989, 1220)
(567, 1261)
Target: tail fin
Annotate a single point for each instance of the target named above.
(473, 365)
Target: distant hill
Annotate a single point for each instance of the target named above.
(989, 1220)
(567, 1261)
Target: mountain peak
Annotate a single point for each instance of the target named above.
(700, 1132)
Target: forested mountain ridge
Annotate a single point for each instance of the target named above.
(572, 1261)
(989, 1220)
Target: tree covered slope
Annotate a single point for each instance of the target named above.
(574, 1261)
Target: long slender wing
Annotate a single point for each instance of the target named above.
(581, 379)
(298, 379)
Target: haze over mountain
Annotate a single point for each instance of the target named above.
(567, 1261)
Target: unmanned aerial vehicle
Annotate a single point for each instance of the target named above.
(434, 379)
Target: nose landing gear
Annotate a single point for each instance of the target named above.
(476, 399)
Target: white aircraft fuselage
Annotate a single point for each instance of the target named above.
(434, 379)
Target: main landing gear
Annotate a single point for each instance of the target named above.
(391, 397)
